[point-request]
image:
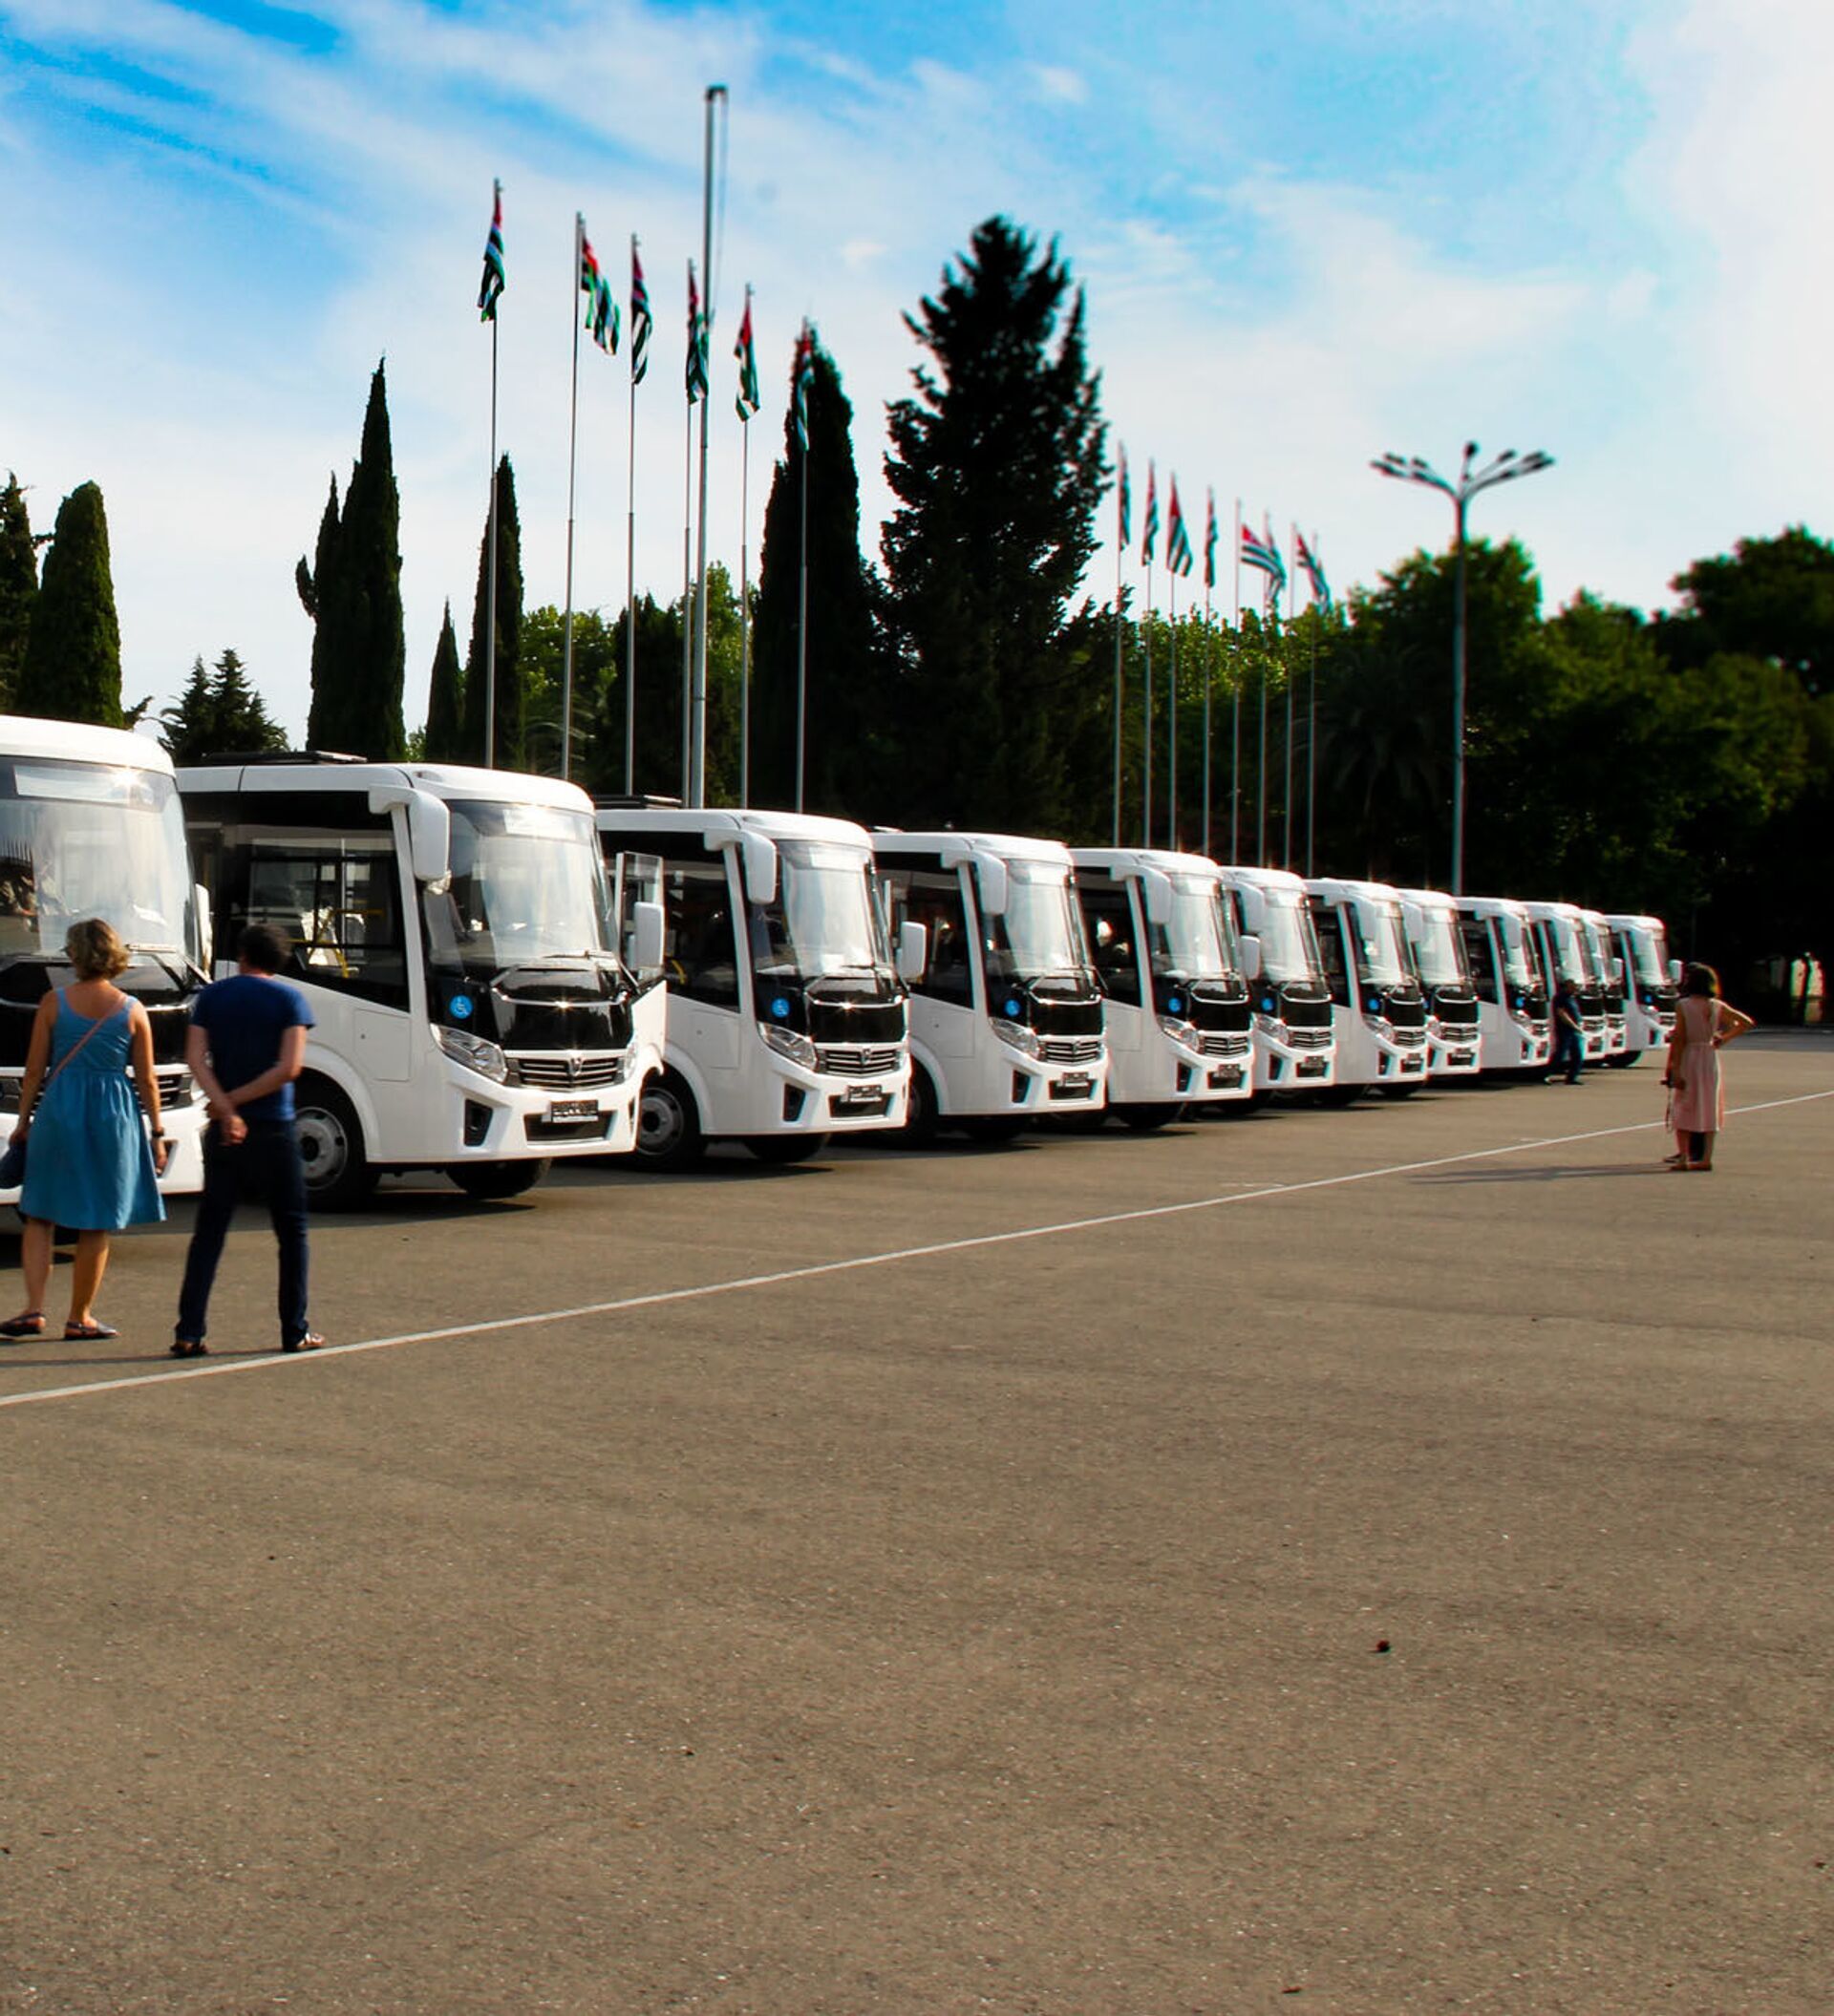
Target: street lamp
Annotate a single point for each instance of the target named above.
(1411, 469)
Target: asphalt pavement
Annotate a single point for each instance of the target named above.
(1363, 1560)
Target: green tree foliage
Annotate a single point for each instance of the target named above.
(219, 713)
(506, 753)
(352, 593)
(846, 769)
(997, 466)
(1769, 598)
(595, 645)
(73, 663)
(443, 738)
(18, 586)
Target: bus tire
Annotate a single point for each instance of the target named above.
(1622, 1060)
(922, 1118)
(1338, 1094)
(491, 1182)
(338, 1176)
(669, 1130)
(1399, 1092)
(780, 1150)
(992, 1128)
(1147, 1118)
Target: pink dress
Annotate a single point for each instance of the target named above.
(1700, 1107)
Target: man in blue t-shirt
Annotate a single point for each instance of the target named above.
(246, 1045)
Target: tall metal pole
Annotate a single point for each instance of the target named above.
(744, 613)
(1235, 702)
(490, 591)
(572, 459)
(1311, 737)
(688, 589)
(1210, 679)
(1460, 502)
(697, 701)
(803, 638)
(1171, 723)
(1146, 716)
(631, 588)
(1120, 556)
(1286, 658)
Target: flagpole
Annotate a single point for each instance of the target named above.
(490, 593)
(744, 613)
(1236, 703)
(1260, 781)
(1287, 659)
(572, 458)
(688, 579)
(803, 632)
(1146, 714)
(1121, 541)
(1209, 675)
(1312, 729)
(716, 99)
(1171, 717)
(631, 588)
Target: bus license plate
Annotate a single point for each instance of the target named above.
(1310, 1068)
(863, 1096)
(561, 1111)
(1413, 1063)
(1227, 1078)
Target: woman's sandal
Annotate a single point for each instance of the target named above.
(189, 1348)
(88, 1332)
(32, 1324)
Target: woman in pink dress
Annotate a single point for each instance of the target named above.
(1703, 1025)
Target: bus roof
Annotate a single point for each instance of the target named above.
(962, 847)
(441, 780)
(1130, 861)
(709, 822)
(80, 742)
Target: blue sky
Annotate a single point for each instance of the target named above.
(1307, 234)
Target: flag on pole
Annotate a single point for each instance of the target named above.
(641, 320)
(748, 401)
(1209, 546)
(1314, 572)
(495, 276)
(1178, 541)
(804, 382)
(601, 309)
(1263, 553)
(1126, 506)
(695, 375)
(1151, 534)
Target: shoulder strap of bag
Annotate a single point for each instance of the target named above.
(52, 1076)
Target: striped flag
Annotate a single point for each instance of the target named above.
(1125, 506)
(495, 276)
(1314, 572)
(694, 376)
(1178, 541)
(748, 401)
(1150, 535)
(641, 320)
(601, 309)
(1209, 546)
(803, 379)
(1262, 552)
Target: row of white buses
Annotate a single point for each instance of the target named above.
(503, 973)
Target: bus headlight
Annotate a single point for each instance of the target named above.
(1379, 1025)
(1022, 1039)
(787, 1043)
(1179, 1031)
(475, 1052)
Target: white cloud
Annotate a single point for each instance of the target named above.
(1058, 86)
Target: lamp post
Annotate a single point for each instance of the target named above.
(1503, 469)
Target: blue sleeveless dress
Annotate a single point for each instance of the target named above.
(89, 1165)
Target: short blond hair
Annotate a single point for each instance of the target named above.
(93, 947)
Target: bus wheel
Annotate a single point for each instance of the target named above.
(338, 1177)
(920, 1118)
(992, 1127)
(1622, 1060)
(780, 1150)
(1147, 1120)
(669, 1134)
(1399, 1092)
(492, 1182)
(1338, 1094)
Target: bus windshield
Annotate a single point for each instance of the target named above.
(1040, 930)
(1439, 951)
(1649, 955)
(1289, 944)
(93, 840)
(1380, 951)
(823, 923)
(1518, 966)
(528, 887)
(1196, 942)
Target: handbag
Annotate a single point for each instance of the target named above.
(12, 1159)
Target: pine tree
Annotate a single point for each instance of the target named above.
(507, 753)
(240, 716)
(18, 586)
(843, 745)
(188, 728)
(998, 463)
(73, 665)
(353, 594)
(443, 741)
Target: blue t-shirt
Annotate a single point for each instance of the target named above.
(245, 1018)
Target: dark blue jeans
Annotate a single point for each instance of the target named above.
(265, 1167)
(1569, 1050)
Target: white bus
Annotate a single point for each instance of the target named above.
(1378, 1006)
(786, 1011)
(1176, 1021)
(453, 932)
(1611, 971)
(1295, 1048)
(1652, 983)
(89, 826)
(1006, 1012)
(1513, 1016)
(1564, 949)
(1453, 1039)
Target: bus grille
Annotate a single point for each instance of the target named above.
(1070, 1049)
(862, 1060)
(566, 1071)
(1308, 1038)
(1213, 1045)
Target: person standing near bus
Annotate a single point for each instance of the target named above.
(1569, 1033)
(246, 1045)
(1703, 1025)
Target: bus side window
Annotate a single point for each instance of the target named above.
(1109, 915)
(1476, 933)
(698, 956)
(1330, 921)
(934, 900)
(335, 902)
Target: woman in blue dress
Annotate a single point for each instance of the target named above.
(93, 1161)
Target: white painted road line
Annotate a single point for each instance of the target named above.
(623, 1304)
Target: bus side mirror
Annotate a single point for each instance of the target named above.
(1414, 921)
(1255, 907)
(1250, 956)
(1617, 974)
(759, 853)
(1674, 972)
(991, 872)
(646, 940)
(206, 929)
(913, 952)
(1156, 886)
(429, 832)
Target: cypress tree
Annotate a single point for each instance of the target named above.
(658, 738)
(998, 463)
(359, 655)
(507, 753)
(842, 754)
(73, 663)
(18, 586)
(444, 740)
